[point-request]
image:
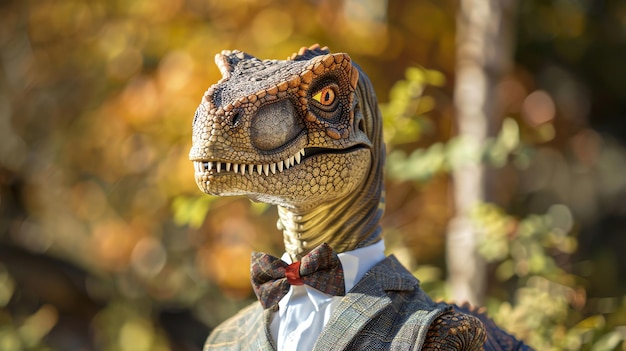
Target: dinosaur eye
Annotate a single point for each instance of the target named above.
(326, 96)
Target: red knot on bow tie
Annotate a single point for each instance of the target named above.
(272, 277)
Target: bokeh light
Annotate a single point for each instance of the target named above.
(106, 243)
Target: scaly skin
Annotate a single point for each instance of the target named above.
(306, 134)
(322, 165)
(455, 331)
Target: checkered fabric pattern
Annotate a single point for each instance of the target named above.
(272, 277)
(386, 310)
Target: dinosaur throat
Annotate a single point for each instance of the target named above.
(345, 224)
(214, 167)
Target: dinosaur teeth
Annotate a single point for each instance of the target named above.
(280, 166)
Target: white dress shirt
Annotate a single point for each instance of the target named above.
(304, 311)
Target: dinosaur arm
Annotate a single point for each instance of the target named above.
(455, 332)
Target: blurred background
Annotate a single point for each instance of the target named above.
(107, 244)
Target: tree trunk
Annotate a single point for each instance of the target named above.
(484, 56)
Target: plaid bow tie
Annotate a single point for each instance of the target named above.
(272, 277)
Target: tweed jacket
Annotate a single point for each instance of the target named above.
(385, 310)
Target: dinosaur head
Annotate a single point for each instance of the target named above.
(295, 133)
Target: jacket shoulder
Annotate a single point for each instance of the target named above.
(413, 321)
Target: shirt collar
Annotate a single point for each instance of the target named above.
(355, 263)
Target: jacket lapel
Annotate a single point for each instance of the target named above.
(264, 339)
(253, 331)
(363, 303)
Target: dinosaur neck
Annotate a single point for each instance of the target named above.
(353, 221)
(345, 224)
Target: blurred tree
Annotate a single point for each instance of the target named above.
(484, 56)
(104, 237)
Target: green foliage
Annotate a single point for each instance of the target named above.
(543, 304)
(191, 210)
(423, 164)
(122, 326)
(28, 332)
(403, 115)
(547, 305)
(7, 286)
(96, 100)
(524, 246)
(405, 122)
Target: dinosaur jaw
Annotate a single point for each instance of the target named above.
(215, 167)
(309, 175)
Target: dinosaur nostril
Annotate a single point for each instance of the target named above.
(195, 118)
(362, 125)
